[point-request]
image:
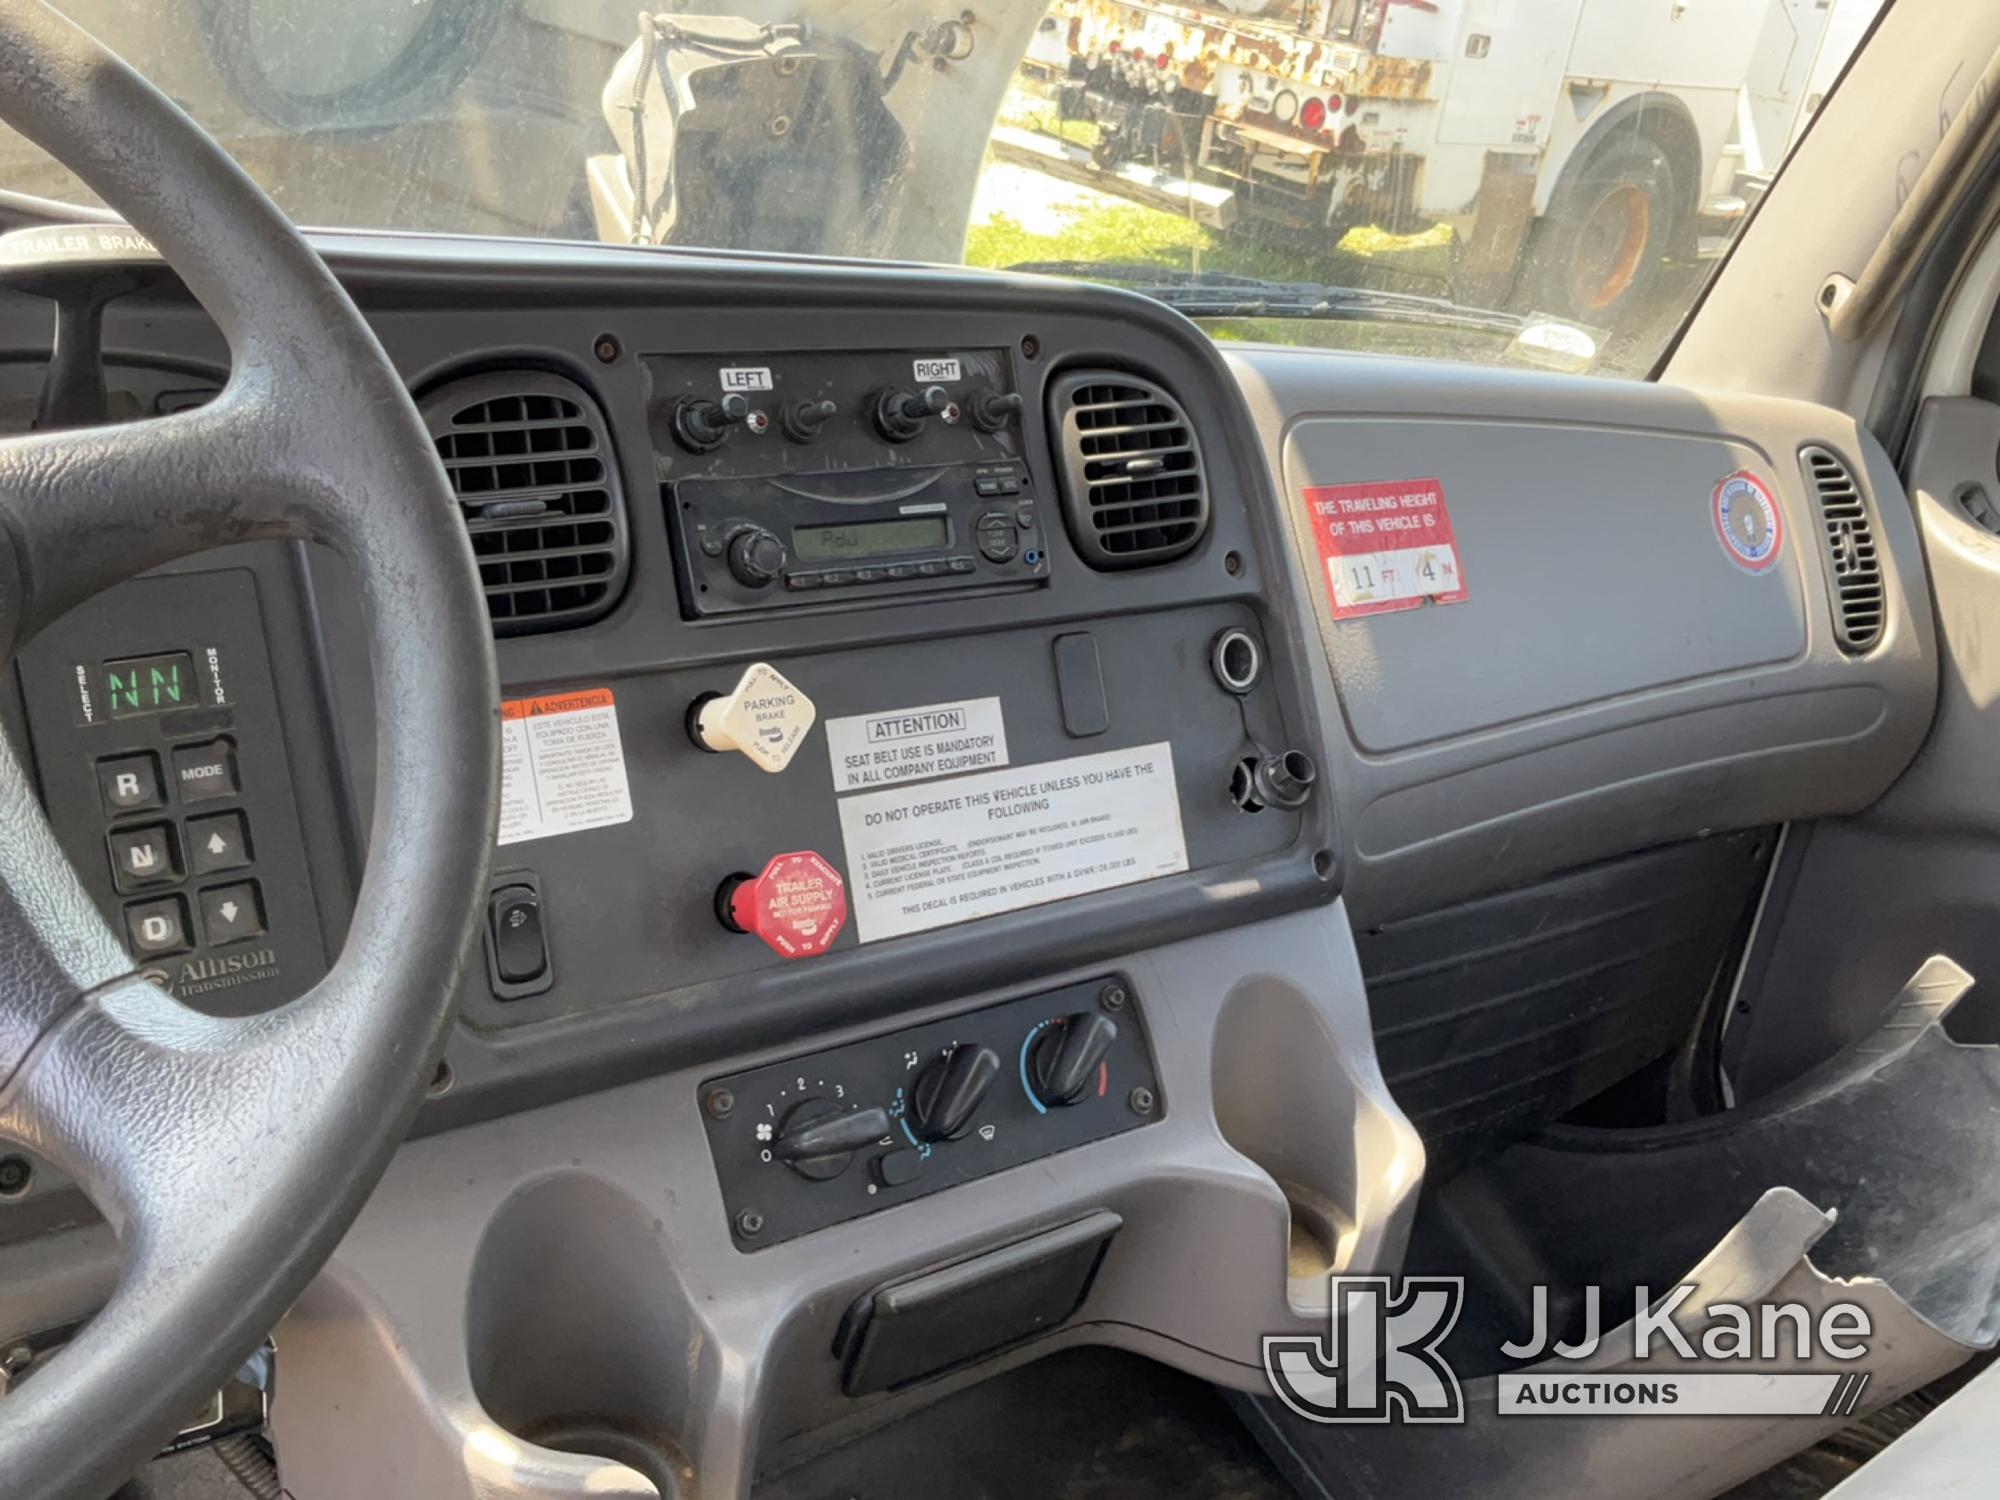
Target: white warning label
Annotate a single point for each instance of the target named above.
(927, 856)
(913, 744)
(562, 766)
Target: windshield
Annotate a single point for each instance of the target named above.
(1473, 179)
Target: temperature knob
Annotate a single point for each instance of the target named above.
(756, 557)
(949, 1092)
(817, 1138)
(1067, 1056)
(900, 413)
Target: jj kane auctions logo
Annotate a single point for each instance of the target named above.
(1381, 1358)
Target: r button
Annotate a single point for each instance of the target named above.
(130, 783)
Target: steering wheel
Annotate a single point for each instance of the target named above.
(229, 1156)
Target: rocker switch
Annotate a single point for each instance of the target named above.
(520, 952)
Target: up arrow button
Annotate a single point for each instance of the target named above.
(764, 716)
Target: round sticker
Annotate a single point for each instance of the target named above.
(1749, 522)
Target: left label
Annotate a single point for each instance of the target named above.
(562, 766)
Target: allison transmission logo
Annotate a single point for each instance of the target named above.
(1382, 1359)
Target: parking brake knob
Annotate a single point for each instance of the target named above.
(764, 717)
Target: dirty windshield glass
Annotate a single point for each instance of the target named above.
(1540, 180)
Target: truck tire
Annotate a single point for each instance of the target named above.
(1598, 252)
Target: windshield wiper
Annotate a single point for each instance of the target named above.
(1216, 294)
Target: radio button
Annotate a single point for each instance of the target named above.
(931, 567)
(867, 575)
(803, 580)
(899, 571)
(835, 578)
(961, 564)
(1024, 516)
(996, 537)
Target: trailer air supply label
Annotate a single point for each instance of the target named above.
(927, 856)
(1385, 546)
(562, 766)
(911, 744)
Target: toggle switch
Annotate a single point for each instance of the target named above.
(763, 716)
(797, 906)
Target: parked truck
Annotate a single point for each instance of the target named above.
(1572, 146)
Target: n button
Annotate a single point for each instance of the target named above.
(218, 842)
(143, 856)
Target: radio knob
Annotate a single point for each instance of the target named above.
(992, 411)
(755, 557)
(900, 413)
(700, 424)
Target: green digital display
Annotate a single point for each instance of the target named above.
(149, 684)
(820, 544)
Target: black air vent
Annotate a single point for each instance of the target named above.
(531, 464)
(1848, 542)
(1132, 482)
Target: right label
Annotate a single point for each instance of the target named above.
(928, 856)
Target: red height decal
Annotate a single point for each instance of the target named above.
(1385, 546)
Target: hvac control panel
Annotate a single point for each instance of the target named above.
(818, 1140)
(162, 759)
(797, 478)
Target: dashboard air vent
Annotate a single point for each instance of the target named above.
(1133, 489)
(531, 464)
(1847, 536)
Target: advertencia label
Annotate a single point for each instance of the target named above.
(1385, 546)
(910, 744)
(928, 856)
(562, 766)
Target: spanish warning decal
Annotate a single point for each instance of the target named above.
(1749, 522)
(1385, 546)
(562, 765)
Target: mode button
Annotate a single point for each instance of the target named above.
(204, 772)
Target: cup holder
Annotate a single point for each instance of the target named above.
(577, 1335)
(1287, 1097)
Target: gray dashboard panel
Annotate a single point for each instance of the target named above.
(1548, 721)
(583, 1250)
(1563, 531)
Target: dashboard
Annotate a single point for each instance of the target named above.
(956, 824)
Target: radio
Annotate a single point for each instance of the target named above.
(773, 542)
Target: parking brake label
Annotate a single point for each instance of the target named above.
(912, 744)
(562, 765)
(928, 856)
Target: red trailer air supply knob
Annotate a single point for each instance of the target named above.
(798, 905)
